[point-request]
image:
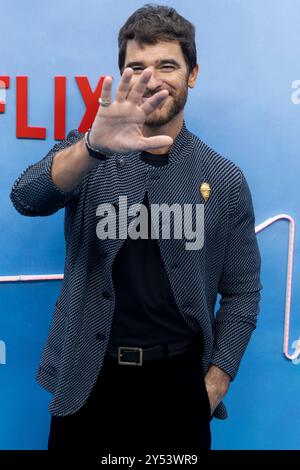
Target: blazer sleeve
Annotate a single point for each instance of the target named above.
(34, 192)
(239, 287)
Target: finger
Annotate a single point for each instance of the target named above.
(123, 88)
(154, 101)
(106, 88)
(155, 142)
(137, 91)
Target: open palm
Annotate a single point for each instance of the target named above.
(117, 128)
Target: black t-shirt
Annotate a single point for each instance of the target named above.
(145, 313)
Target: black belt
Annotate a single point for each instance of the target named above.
(135, 356)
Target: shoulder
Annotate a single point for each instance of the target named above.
(74, 135)
(220, 171)
(216, 165)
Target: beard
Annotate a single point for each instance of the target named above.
(164, 114)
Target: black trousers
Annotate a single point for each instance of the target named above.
(159, 406)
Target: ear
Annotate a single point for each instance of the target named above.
(193, 76)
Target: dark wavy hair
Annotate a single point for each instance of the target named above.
(153, 23)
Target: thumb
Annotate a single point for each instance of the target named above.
(156, 142)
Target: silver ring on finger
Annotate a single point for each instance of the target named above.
(104, 102)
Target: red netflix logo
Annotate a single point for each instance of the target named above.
(25, 131)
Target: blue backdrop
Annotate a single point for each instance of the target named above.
(242, 106)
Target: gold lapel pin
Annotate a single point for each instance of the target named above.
(205, 191)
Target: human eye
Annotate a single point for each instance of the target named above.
(167, 67)
(137, 68)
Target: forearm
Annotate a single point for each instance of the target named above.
(217, 379)
(70, 165)
(35, 193)
(234, 325)
(217, 383)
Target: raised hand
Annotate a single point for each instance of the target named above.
(117, 128)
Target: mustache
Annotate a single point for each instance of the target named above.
(148, 94)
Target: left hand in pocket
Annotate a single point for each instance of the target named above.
(217, 383)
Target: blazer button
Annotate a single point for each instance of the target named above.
(120, 162)
(106, 294)
(100, 337)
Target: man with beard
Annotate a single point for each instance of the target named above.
(136, 359)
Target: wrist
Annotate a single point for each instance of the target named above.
(218, 390)
(94, 151)
(217, 379)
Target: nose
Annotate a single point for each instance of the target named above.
(154, 82)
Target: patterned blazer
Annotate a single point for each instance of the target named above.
(228, 263)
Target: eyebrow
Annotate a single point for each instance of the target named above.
(157, 63)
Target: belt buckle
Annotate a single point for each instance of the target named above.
(132, 363)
